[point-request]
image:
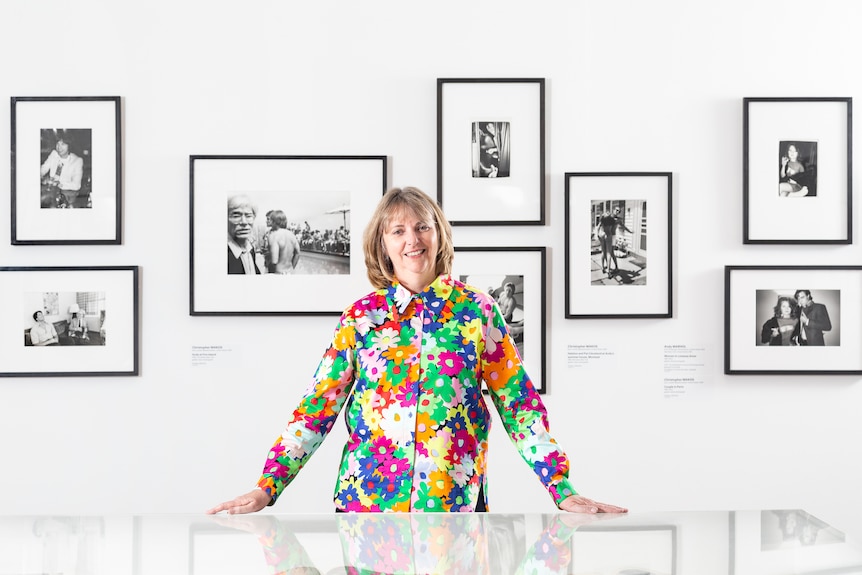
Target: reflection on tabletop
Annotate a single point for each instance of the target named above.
(451, 543)
(757, 542)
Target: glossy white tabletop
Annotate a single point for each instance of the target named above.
(684, 543)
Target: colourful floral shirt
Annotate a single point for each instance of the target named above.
(407, 369)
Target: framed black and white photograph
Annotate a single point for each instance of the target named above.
(294, 232)
(69, 321)
(66, 170)
(618, 245)
(491, 150)
(515, 278)
(793, 320)
(797, 171)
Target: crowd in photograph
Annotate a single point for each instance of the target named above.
(329, 241)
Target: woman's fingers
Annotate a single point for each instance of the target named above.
(252, 501)
(579, 504)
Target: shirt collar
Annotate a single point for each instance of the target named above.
(433, 298)
(236, 249)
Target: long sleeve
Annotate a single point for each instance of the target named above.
(766, 332)
(51, 160)
(819, 318)
(521, 409)
(314, 417)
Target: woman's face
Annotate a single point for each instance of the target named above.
(411, 243)
(785, 308)
(40, 316)
(792, 153)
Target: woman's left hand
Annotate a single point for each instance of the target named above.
(579, 504)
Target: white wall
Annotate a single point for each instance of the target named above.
(653, 86)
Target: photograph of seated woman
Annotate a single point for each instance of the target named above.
(512, 310)
(508, 292)
(78, 326)
(797, 169)
(783, 327)
(407, 363)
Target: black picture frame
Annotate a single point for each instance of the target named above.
(101, 341)
(330, 198)
(595, 290)
(526, 268)
(759, 341)
(807, 199)
(491, 150)
(88, 180)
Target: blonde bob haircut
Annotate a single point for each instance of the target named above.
(395, 203)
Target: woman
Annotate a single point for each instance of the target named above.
(606, 231)
(406, 364)
(783, 327)
(507, 302)
(78, 326)
(791, 173)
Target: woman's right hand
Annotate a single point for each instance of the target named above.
(254, 500)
